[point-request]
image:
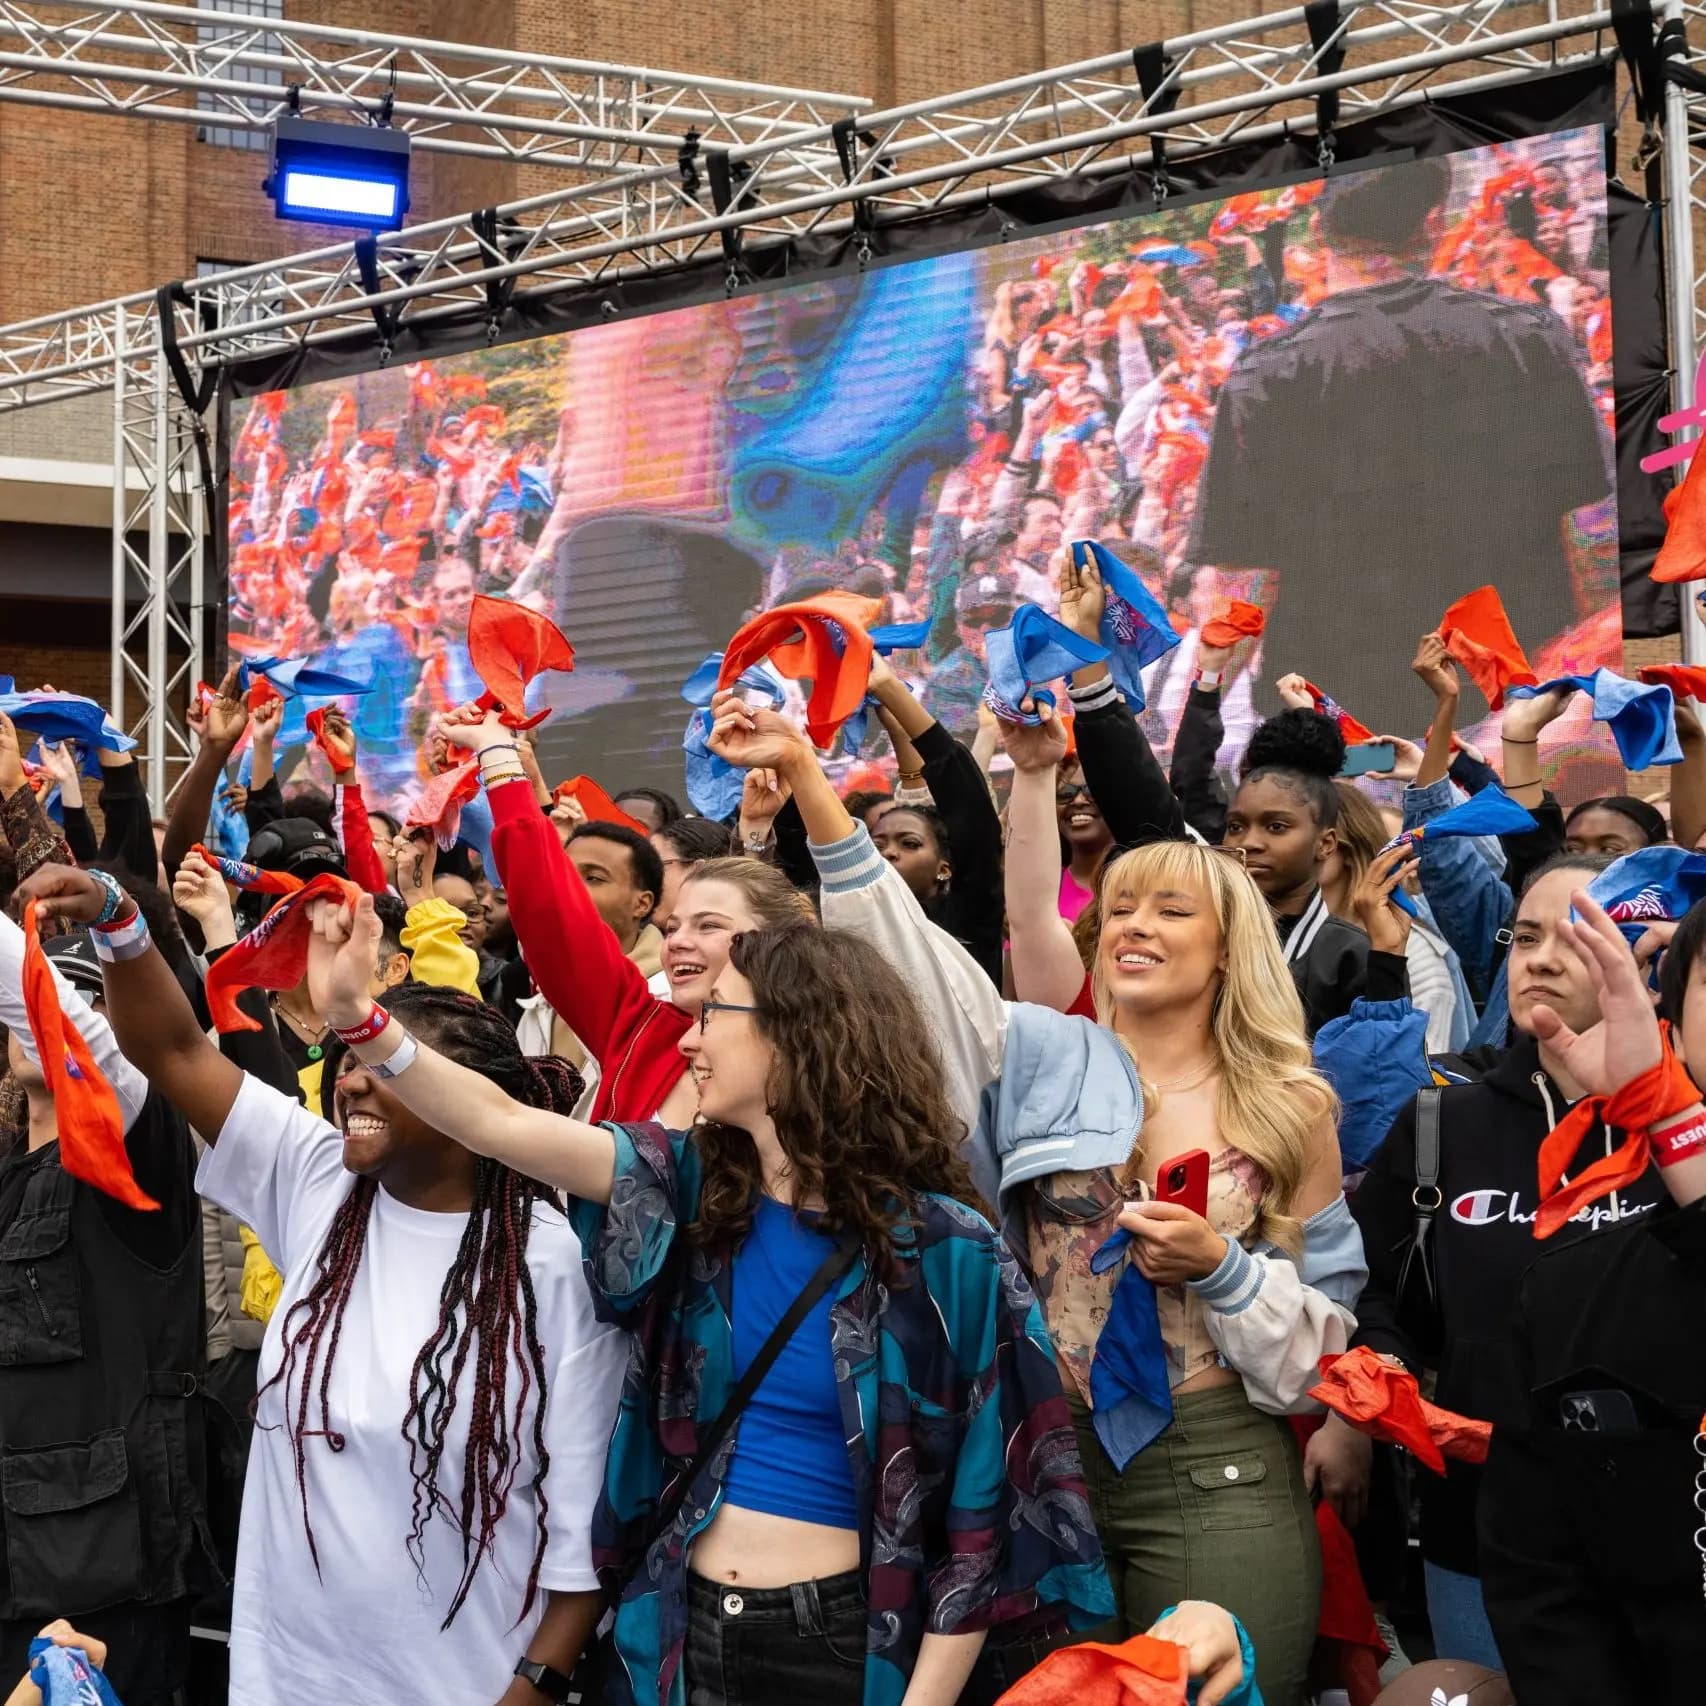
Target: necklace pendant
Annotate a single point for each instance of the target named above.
(315, 1051)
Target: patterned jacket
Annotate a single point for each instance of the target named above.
(972, 1508)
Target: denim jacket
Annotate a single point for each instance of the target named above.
(973, 1513)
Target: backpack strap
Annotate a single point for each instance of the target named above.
(1425, 1198)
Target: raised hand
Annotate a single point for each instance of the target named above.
(343, 954)
(474, 729)
(1083, 598)
(415, 855)
(1524, 719)
(339, 737)
(1294, 693)
(1625, 1043)
(264, 722)
(1434, 667)
(763, 794)
(1387, 924)
(227, 716)
(63, 891)
(754, 737)
(199, 890)
(1040, 748)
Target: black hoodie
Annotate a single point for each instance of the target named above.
(1483, 1244)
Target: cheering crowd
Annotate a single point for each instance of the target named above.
(907, 1247)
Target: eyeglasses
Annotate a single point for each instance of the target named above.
(1067, 792)
(707, 1008)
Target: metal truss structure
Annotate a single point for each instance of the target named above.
(238, 70)
(1122, 112)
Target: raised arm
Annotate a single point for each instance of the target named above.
(26, 828)
(963, 802)
(1200, 792)
(1044, 958)
(1520, 729)
(150, 1015)
(576, 962)
(60, 762)
(1433, 667)
(1125, 778)
(349, 809)
(129, 832)
(227, 717)
(569, 1154)
(1688, 780)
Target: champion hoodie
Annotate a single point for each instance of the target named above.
(1483, 1245)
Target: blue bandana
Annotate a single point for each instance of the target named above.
(1031, 649)
(1642, 718)
(1134, 626)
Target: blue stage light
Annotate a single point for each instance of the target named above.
(339, 174)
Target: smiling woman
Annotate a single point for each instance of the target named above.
(430, 1487)
(825, 1207)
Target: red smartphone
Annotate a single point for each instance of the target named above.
(1184, 1180)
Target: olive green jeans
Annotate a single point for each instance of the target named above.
(1215, 1509)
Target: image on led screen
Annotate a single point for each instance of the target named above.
(1349, 403)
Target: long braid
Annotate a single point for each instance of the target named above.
(321, 1309)
(488, 1312)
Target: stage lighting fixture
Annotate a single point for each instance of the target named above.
(339, 174)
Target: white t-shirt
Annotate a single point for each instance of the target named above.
(368, 1617)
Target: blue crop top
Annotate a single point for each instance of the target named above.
(790, 1457)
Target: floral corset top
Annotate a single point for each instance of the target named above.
(1069, 1216)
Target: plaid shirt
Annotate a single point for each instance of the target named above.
(978, 1516)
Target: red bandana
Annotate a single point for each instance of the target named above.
(1385, 1403)
(598, 805)
(274, 955)
(821, 640)
(1478, 633)
(85, 1105)
(509, 645)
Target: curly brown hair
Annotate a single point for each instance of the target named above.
(855, 1092)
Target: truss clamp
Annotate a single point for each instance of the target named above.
(848, 138)
(500, 242)
(728, 192)
(687, 163)
(387, 316)
(1326, 38)
(1160, 95)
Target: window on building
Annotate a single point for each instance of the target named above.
(224, 135)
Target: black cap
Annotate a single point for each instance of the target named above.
(74, 958)
(297, 845)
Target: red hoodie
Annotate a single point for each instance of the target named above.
(579, 967)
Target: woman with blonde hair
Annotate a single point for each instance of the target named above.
(1181, 1351)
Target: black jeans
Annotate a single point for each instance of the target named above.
(776, 1646)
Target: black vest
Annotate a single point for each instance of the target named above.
(101, 1446)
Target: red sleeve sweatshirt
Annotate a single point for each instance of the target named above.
(579, 967)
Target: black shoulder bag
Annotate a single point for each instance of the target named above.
(1425, 1199)
(587, 1686)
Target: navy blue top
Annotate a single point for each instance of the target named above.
(790, 1456)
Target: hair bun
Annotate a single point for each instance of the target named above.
(1302, 740)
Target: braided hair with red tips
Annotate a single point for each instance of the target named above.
(488, 1319)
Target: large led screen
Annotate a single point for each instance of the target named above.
(1349, 402)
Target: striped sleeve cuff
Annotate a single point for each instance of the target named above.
(1232, 1287)
(1097, 695)
(850, 863)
